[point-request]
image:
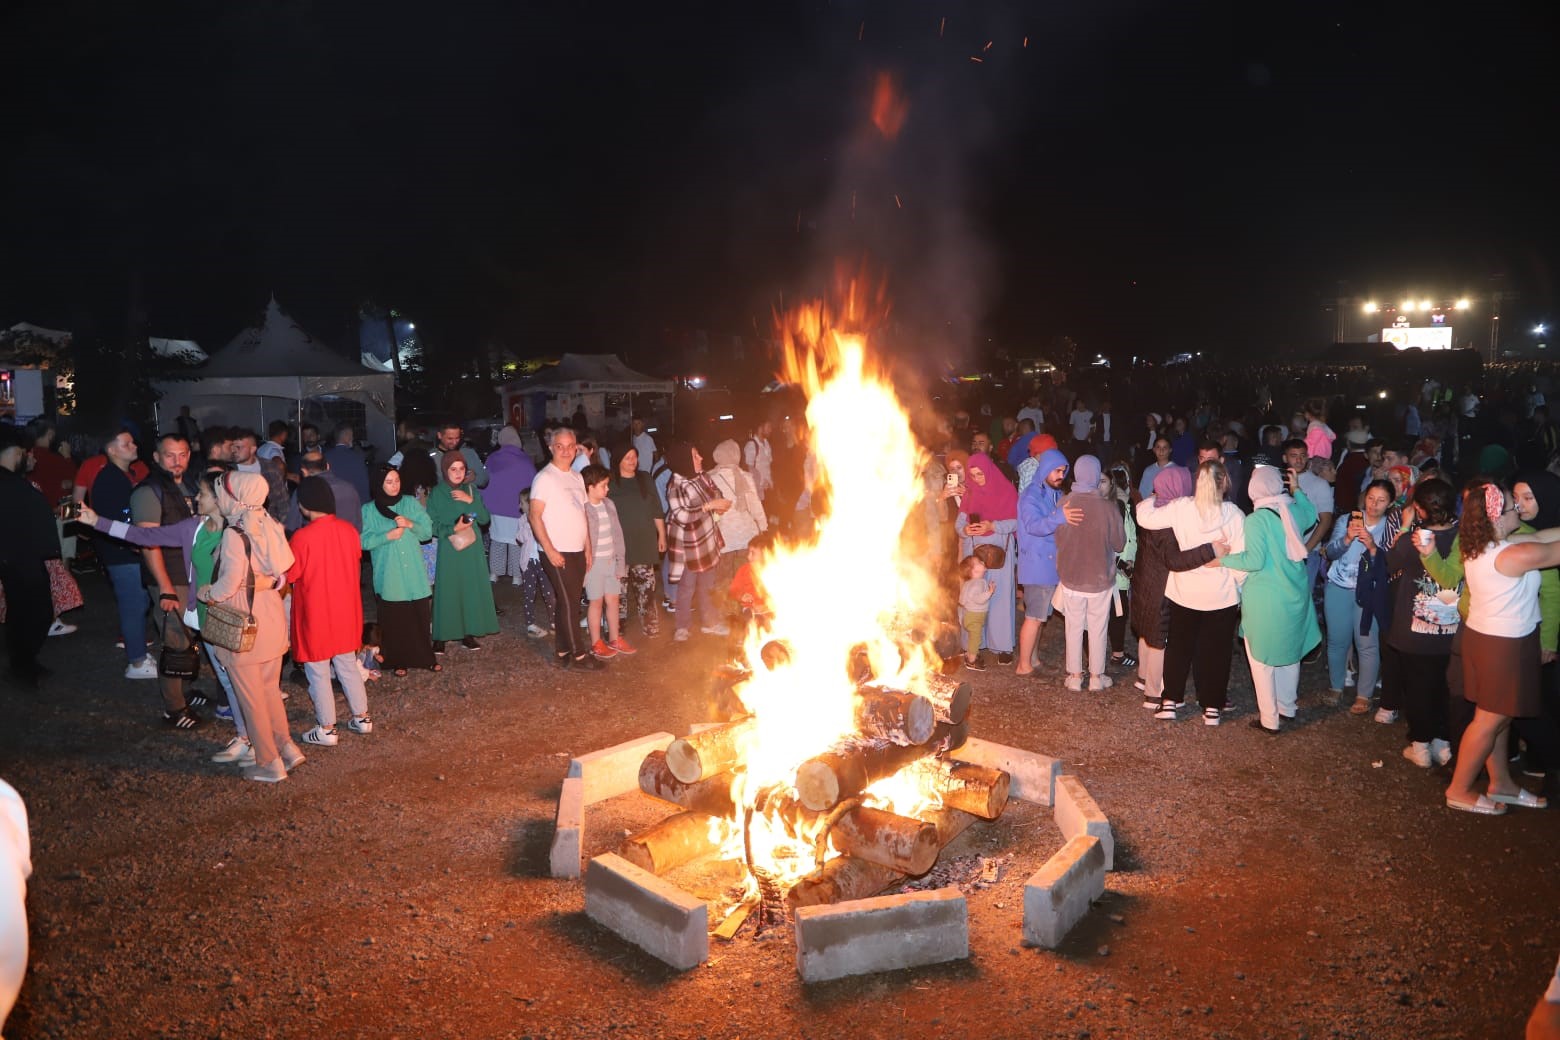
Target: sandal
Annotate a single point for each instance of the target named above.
(1482, 805)
(1523, 799)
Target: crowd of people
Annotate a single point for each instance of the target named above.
(1165, 537)
(1402, 541)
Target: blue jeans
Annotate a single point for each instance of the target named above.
(702, 585)
(1343, 630)
(133, 602)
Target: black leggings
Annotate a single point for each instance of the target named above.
(1201, 642)
(568, 584)
(1419, 681)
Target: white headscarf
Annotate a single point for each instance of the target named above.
(1267, 492)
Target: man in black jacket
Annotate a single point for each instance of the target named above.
(31, 538)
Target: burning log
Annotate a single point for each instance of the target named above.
(725, 704)
(849, 877)
(680, 838)
(894, 715)
(699, 756)
(711, 795)
(980, 790)
(950, 698)
(877, 836)
(828, 779)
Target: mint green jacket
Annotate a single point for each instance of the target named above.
(399, 571)
(1276, 614)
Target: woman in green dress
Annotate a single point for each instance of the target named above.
(1278, 621)
(393, 525)
(463, 595)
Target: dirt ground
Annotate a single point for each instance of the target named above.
(1311, 885)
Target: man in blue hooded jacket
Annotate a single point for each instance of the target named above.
(1040, 513)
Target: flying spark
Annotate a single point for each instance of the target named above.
(988, 45)
(978, 61)
(861, 31)
(901, 205)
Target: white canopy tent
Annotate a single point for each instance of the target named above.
(279, 371)
(607, 389)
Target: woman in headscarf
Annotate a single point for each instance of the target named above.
(644, 531)
(394, 523)
(463, 595)
(254, 546)
(1537, 495)
(510, 472)
(1204, 603)
(740, 524)
(1277, 619)
(988, 515)
(1157, 555)
(693, 539)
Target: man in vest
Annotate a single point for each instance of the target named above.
(161, 500)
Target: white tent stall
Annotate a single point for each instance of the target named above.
(279, 371)
(607, 389)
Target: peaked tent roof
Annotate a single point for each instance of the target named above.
(576, 372)
(279, 347)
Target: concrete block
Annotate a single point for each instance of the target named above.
(881, 934)
(1059, 894)
(1077, 813)
(661, 919)
(615, 770)
(568, 830)
(1034, 776)
(700, 727)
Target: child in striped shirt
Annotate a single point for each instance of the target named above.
(609, 564)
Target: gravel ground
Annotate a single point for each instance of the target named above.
(1310, 885)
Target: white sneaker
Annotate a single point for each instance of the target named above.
(535, 631)
(1440, 751)
(1212, 716)
(60, 628)
(1348, 678)
(1418, 753)
(680, 636)
(237, 751)
(361, 724)
(145, 668)
(1386, 716)
(321, 736)
(1101, 682)
(721, 629)
(1074, 682)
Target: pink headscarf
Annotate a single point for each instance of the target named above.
(1171, 483)
(997, 499)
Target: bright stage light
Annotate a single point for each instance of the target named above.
(1371, 308)
(1424, 305)
(1408, 305)
(1463, 305)
(1539, 330)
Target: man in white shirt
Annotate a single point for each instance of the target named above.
(1320, 494)
(1032, 412)
(558, 521)
(644, 444)
(1082, 421)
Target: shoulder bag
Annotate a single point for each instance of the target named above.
(233, 630)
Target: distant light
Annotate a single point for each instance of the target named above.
(1539, 330)
(1371, 308)
(1463, 305)
(727, 418)
(1359, 408)
(1382, 395)
(1408, 305)
(411, 325)
(1424, 305)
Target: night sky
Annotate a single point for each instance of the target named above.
(1142, 176)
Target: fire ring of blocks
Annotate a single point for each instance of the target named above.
(860, 933)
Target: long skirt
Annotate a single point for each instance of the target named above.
(405, 633)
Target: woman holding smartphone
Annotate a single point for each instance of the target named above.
(463, 595)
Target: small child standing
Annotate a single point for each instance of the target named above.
(975, 591)
(745, 590)
(533, 579)
(369, 657)
(609, 564)
(1319, 436)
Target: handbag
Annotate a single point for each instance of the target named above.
(178, 662)
(464, 539)
(233, 630)
(737, 526)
